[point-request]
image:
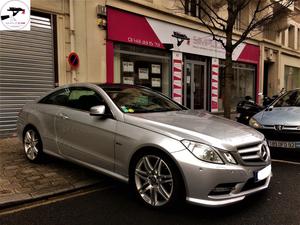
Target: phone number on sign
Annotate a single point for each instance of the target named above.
(144, 42)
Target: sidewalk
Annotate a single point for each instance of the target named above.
(21, 180)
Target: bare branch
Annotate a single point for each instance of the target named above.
(215, 37)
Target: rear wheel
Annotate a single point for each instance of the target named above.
(32, 144)
(155, 180)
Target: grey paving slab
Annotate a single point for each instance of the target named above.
(21, 180)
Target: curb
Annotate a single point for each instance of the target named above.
(17, 199)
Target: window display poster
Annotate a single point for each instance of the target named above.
(143, 73)
(128, 80)
(155, 68)
(155, 82)
(128, 66)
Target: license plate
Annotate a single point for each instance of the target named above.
(264, 173)
(282, 144)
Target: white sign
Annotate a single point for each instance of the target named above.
(143, 73)
(128, 80)
(191, 41)
(155, 82)
(15, 15)
(177, 77)
(128, 66)
(155, 68)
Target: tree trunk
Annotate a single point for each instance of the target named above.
(228, 84)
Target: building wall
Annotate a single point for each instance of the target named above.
(90, 41)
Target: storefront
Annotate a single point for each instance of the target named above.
(183, 63)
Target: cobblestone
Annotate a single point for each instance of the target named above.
(21, 180)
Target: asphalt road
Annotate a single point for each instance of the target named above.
(112, 204)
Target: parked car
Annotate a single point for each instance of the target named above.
(164, 150)
(280, 122)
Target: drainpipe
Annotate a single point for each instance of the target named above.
(72, 38)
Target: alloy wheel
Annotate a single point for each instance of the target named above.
(154, 180)
(31, 144)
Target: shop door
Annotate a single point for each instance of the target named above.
(194, 85)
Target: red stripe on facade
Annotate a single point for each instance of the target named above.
(176, 78)
(177, 61)
(131, 28)
(176, 95)
(176, 86)
(109, 62)
(177, 69)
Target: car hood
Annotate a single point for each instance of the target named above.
(289, 116)
(198, 126)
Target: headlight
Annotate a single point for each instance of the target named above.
(203, 152)
(253, 123)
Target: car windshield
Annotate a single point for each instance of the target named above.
(131, 99)
(291, 98)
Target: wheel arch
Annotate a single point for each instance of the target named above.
(27, 127)
(156, 149)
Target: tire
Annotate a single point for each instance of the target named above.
(32, 145)
(155, 180)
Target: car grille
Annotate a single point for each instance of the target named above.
(254, 154)
(286, 134)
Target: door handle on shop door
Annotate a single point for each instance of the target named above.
(63, 116)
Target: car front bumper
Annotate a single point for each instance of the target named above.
(218, 185)
(284, 138)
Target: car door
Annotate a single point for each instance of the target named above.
(82, 137)
(46, 111)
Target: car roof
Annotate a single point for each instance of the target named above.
(118, 85)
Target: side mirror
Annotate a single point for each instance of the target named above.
(98, 110)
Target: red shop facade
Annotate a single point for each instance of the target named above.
(185, 64)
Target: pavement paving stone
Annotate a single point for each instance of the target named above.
(21, 180)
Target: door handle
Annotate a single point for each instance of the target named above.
(63, 116)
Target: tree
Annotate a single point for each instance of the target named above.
(261, 13)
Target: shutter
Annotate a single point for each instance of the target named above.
(26, 69)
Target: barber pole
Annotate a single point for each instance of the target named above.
(177, 77)
(214, 84)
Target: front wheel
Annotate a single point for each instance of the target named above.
(156, 180)
(32, 144)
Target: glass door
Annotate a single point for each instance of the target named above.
(194, 85)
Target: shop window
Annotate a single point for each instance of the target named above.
(142, 66)
(291, 77)
(243, 83)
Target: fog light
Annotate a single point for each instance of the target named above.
(223, 189)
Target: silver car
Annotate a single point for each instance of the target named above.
(165, 151)
(280, 122)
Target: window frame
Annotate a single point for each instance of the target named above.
(42, 101)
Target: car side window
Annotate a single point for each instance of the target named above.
(84, 98)
(59, 97)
